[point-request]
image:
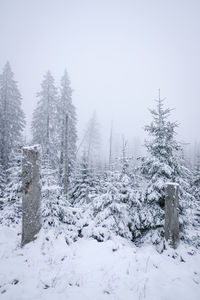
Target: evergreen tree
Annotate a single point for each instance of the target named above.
(85, 183)
(51, 196)
(57, 212)
(12, 120)
(81, 183)
(2, 181)
(113, 209)
(162, 165)
(110, 208)
(124, 161)
(12, 197)
(68, 133)
(45, 122)
(196, 177)
(196, 188)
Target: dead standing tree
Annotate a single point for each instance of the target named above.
(171, 214)
(66, 155)
(31, 194)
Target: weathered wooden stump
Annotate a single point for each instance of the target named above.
(31, 194)
(172, 215)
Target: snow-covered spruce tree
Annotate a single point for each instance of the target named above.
(163, 164)
(115, 206)
(12, 122)
(84, 187)
(68, 132)
(51, 195)
(196, 176)
(2, 182)
(12, 119)
(196, 189)
(57, 212)
(2, 186)
(45, 123)
(111, 209)
(81, 183)
(130, 191)
(90, 161)
(13, 190)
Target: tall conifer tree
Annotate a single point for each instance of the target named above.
(12, 119)
(163, 164)
(45, 124)
(67, 130)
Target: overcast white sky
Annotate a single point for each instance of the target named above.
(117, 53)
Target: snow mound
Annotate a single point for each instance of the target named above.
(50, 269)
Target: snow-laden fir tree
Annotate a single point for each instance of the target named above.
(196, 189)
(57, 212)
(115, 207)
(12, 119)
(163, 164)
(2, 181)
(12, 212)
(196, 176)
(130, 190)
(67, 130)
(81, 183)
(51, 195)
(45, 122)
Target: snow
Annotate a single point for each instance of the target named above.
(172, 183)
(36, 148)
(116, 269)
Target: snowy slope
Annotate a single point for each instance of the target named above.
(50, 269)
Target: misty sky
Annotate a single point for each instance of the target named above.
(117, 53)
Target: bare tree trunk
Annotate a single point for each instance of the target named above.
(171, 215)
(89, 146)
(31, 197)
(124, 148)
(110, 150)
(61, 162)
(48, 112)
(66, 155)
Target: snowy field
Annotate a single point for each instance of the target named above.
(50, 269)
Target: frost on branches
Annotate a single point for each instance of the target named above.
(44, 123)
(12, 123)
(12, 119)
(162, 164)
(196, 194)
(115, 207)
(57, 212)
(84, 183)
(12, 196)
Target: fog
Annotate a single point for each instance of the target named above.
(117, 53)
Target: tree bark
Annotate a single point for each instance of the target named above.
(66, 155)
(31, 194)
(171, 215)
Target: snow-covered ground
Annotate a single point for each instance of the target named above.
(50, 269)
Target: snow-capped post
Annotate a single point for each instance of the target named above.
(171, 214)
(31, 194)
